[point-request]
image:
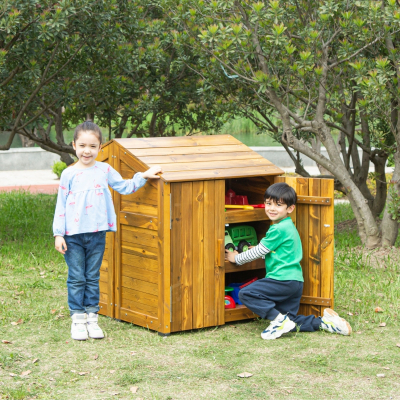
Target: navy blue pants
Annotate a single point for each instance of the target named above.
(269, 297)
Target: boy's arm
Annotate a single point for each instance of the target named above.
(253, 254)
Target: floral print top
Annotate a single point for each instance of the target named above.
(84, 202)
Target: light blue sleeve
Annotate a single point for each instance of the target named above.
(59, 223)
(125, 186)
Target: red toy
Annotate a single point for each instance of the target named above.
(229, 302)
(232, 199)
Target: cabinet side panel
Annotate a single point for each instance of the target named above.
(187, 255)
(198, 254)
(176, 251)
(164, 257)
(209, 254)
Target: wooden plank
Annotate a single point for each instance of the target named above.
(139, 273)
(104, 266)
(117, 243)
(139, 285)
(302, 228)
(256, 264)
(128, 304)
(104, 309)
(198, 254)
(133, 260)
(187, 256)
(254, 162)
(314, 243)
(327, 243)
(239, 313)
(322, 201)
(176, 251)
(185, 158)
(209, 174)
(140, 319)
(139, 220)
(164, 257)
(209, 254)
(133, 234)
(103, 154)
(235, 216)
(103, 287)
(145, 195)
(219, 240)
(136, 296)
(140, 250)
(139, 208)
(178, 141)
(103, 297)
(168, 151)
(316, 301)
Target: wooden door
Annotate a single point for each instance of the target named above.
(314, 220)
(197, 254)
(106, 283)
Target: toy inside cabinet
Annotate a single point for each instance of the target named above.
(165, 268)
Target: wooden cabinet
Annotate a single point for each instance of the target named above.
(164, 268)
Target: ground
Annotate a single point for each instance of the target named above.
(42, 362)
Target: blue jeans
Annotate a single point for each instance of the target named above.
(84, 256)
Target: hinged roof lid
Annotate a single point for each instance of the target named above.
(193, 158)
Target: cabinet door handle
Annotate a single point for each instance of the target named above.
(220, 253)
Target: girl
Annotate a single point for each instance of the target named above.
(84, 213)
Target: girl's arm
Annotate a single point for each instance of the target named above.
(59, 215)
(128, 186)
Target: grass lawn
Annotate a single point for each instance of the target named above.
(42, 362)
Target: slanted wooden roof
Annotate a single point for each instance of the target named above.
(193, 158)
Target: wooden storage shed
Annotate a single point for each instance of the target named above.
(164, 268)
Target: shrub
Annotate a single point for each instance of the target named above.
(58, 168)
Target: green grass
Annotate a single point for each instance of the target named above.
(201, 364)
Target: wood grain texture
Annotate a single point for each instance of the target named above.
(302, 228)
(139, 285)
(239, 313)
(209, 254)
(327, 243)
(133, 234)
(187, 255)
(137, 261)
(256, 264)
(140, 319)
(234, 216)
(138, 220)
(117, 242)
(139, 273)
(164, 257)
(176, 251)
(314, 243)
(198, 254)
(219, 269)
(138, 208)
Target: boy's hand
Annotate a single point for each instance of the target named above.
(60, 244)
(230, 256)
(152, 172)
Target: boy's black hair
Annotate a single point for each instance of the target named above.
(88, 126)
(281, 192)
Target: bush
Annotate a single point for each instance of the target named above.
(58, 168)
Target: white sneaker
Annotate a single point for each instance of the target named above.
(94, 330)
(78, 327)
(332, 323)
(280, 325)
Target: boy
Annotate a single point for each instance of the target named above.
(277, 296)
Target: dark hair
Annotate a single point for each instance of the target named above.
(88, 126)
(281, 192)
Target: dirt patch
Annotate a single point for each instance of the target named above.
(347, 225)
(379, 258)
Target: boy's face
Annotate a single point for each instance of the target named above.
(276, 211)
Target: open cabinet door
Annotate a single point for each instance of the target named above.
(314, 220)
(106, 283)
(197, 254)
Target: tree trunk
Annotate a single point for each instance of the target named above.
(64, 157)
(26, 142)
(381, 185)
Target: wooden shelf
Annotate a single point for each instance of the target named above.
(235, 216)
(256, 264)
(239, 313)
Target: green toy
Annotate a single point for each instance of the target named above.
(240, 237)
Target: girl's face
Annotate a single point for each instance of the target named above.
(87, 147)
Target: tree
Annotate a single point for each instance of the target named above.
(62, 61)
(305, 70)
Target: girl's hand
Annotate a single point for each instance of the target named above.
(152, 172)
(60, 244)
(230, 256)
